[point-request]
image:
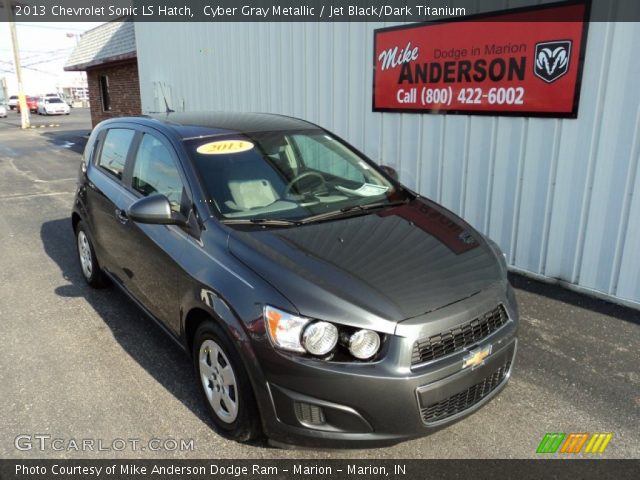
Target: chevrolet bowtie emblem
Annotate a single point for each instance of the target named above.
(476, 357)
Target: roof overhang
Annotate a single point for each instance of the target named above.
(81, 67)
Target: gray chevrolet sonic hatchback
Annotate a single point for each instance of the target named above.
(322, 302)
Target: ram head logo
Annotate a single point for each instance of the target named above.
(552, 59)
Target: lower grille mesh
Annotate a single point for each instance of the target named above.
(465, 399)
(309, 413)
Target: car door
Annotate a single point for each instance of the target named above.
(105, 196)
(154, 251)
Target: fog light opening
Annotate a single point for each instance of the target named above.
(308, 413)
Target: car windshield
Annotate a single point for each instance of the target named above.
(53, 100)
(286, 175)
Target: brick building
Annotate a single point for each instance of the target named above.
(108, 54)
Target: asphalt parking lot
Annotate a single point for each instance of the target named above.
(82, 364)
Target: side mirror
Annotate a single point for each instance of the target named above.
(154, 209)
(390, 171)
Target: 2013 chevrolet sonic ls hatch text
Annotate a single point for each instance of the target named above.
(322, 302)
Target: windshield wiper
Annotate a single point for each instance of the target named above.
(353, 208)
(259, 221)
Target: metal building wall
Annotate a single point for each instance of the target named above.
(557, 195)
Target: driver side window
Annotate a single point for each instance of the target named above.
(323, 159)
(155, 171)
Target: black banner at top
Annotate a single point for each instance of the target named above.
(282, 10)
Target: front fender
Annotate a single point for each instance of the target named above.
(220, 287)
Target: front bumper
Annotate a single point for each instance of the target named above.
(315, 403)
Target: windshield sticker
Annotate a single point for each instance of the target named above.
(366, 190)
(222, 147)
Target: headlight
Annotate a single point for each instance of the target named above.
(285, 329)
(319, 338)
(364, 344)
(305, 335)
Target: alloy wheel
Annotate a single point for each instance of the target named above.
(218, 380)
(84, 251)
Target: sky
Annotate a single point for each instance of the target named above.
(44, 49)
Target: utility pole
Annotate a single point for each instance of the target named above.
(3, 90)
(24, 109)
(83, 79)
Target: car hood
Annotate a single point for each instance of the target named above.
(372, 270)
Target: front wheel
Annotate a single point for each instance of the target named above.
(224, 384)
(88, 262)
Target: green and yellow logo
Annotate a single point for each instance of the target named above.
(573, 442)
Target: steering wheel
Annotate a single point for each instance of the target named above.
(308, 186)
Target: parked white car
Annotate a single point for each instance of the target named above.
(52, 106)
(3, 111)
(13, 102)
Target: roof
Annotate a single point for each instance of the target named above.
(236, 122)
(204, 124)
(110, 42)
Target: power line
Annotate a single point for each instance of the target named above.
(45, 59)
(54, 59)
(33, 25)
(22, 50)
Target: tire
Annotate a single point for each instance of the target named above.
(89, 266)
(224, 384)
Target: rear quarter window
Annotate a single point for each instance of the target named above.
(113, 155)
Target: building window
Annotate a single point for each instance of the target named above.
(104, 93)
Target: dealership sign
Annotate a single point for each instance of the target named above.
(525, 62)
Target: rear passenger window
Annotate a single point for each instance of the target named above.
(154, 171)
(114, 151)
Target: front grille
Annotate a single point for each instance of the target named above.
(465, 399)
(454, 340)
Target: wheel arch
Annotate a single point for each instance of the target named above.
(192, 320)
(211, 307)
(75, 220)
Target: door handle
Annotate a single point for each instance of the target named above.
(121, 215)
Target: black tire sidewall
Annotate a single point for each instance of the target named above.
(246, 426)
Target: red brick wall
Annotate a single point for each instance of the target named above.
(124, 89)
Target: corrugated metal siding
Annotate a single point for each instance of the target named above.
(557, 195)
